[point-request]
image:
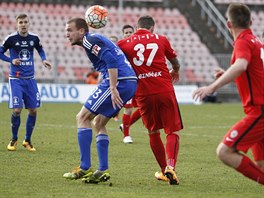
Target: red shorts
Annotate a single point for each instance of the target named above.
(160, 111)
(248, 133)
(131, 103)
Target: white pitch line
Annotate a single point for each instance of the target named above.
(208, 127)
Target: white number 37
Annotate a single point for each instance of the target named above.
(140, 49)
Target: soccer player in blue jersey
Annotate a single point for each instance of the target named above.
(23, 87)
(117, 87)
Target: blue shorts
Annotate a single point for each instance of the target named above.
(99, 102)
(23, 91)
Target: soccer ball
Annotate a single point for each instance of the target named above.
(96, 16)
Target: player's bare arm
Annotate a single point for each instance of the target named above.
(116, 99)
(234, 71)
(218, 72)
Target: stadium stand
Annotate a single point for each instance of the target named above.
(48, 21)
(257, 14)
(248, 2)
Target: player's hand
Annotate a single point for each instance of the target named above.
(218, 72)
(47, 64)
(174, 76)
(116, 99)
(200, 93)
(16, 61)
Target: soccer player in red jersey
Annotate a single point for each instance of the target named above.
(247, 69)
(129, 117)
(155, 96)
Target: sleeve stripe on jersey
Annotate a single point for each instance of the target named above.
(12, 34)
(33, 34)
(87, 43)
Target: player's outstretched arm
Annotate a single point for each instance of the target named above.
(229, 75)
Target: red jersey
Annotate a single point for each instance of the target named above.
(250, 83)
(147, 52)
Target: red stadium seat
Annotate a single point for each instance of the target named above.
(48, 21)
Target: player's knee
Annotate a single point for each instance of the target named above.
(79, 117)
(260, 164)
(221, 152)
(128, 111)
(224, 152)
(17, 112)
(32, 112)
(173, 133)
(97, 125)
(83, 117)
(154, 132)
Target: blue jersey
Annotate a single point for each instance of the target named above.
(104, 55)
(22, 48)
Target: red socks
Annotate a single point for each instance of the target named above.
(251, 170)
(172, 149)
(126, 124)
(129, 120)
(134, 117)
(158, 150)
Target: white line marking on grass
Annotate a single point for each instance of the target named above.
(208, 127)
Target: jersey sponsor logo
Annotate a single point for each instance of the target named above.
(96, 49)
(24, 44)
(26, 63)
(149, 75)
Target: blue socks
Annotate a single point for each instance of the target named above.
(15, 123)
(85, 136)
(31, 120)
(102, 142)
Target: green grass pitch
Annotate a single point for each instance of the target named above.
(132, 167)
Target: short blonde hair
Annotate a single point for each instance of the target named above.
(21, 16)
